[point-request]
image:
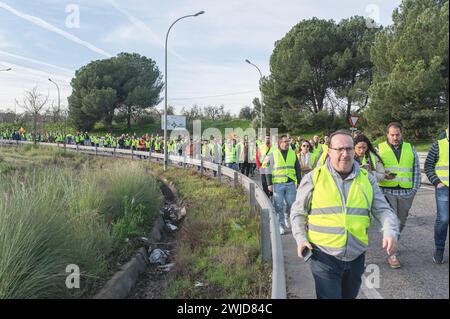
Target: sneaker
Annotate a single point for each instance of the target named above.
(288, 221)
(282, 231)
(438, 257)
(394, 262)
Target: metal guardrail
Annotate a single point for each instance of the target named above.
(257, 197)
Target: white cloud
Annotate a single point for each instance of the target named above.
(126, 34)
(138, 31)
(45, 25)
(5, 43)
(23, 58)
(14, 82)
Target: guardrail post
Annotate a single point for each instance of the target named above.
(149, 155)
(78, 148)
(201, 165)
(219, 172)
(96, 150)
(236, 179)
(114, 152)
(252, 198)
(184, 160)
(265, 235)
(132, 153)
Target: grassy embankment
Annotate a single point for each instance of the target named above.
(219, 245)
(61, 208)
(58, 209)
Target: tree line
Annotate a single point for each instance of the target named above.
(322, 71)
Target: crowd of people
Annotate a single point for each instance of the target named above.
(326, 190)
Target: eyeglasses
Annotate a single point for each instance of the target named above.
(306, 145)
(284, 141)
(342, 149)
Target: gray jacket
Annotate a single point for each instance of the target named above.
(381, 211)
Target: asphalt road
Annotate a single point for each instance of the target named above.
(419, 277)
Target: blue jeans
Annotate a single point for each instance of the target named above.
(335, 279)
(441, 225)
(283, 193)
(232, 166)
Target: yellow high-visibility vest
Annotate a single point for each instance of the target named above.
(441, 168)
(284, 169)
(230, 154)
(329, 222)
(404, 169)
(323, 156)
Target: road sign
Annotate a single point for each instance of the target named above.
(353, 119)
(174, 122)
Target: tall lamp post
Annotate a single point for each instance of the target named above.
(59, 108)
(165, 87)
(260, 89)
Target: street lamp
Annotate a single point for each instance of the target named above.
(5, 70)
(260, 89)
(165, 87)
(59, 108)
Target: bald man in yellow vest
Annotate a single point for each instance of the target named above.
(331, 215)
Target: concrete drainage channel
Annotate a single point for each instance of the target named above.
(144, 276)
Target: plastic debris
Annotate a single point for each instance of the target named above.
(167, 267)
(237, 226)
(172, 227)
(199, 284)
(158, 256)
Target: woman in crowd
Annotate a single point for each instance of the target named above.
(368, 158)
(306, 157)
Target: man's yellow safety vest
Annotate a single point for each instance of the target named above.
(230, 154)
(284, 169)
(323, 156)
(317, 149)
(263, 151)
(441, 168)
(329, 221)
(211, 148)
(404, 169)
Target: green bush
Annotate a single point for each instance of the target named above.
(56, 216)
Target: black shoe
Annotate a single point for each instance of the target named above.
(438, 257)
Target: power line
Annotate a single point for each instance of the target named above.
(210, 96)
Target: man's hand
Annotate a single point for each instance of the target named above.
(302, 246)
(390, 244)
(440, 185)
(387, 176)
(270, 188)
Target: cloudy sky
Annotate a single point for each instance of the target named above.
(53, 38)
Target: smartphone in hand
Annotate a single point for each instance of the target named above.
(306, 254)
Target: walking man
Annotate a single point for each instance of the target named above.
(331, 216)
(436, 168)
(261, 154)
(402, 176)
(283, 177)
